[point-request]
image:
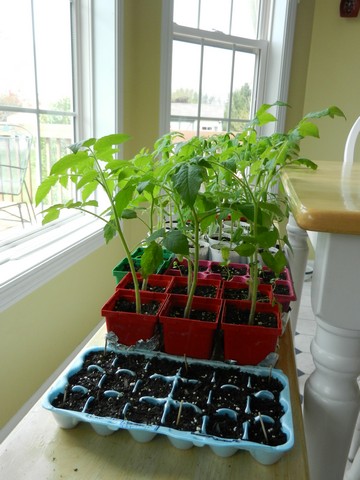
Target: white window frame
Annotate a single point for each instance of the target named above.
(40, 254)
(274, 76)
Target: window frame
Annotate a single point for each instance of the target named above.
(276, 29)
(33, 258)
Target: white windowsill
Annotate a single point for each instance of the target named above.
(27, 265)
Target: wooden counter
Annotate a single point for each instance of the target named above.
(39, 449)
(327, 201)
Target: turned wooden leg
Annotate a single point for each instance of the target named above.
(331, 395)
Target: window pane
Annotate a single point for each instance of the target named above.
(50, 44)
(244, 76)
(185, 85)
(17, 79)
(216, 81)
(215, 15)
(53, 54)
(186, 13)
(245, 18)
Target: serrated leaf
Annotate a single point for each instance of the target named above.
(187, 181)
(88, 190)
(308, 129)
(109, 231)
(109, 140)
(52, 214)
(151, 259)
(87, 178)
(68, 162)
(123, 198)
(44, 188)
(306, 162)
(176, 242)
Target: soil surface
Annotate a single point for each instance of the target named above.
(208, 291)
(241, 317)
(224, 402)
(124, 305)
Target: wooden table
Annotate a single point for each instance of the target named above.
(39, 449)
(327, 201)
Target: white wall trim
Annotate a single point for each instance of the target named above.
(32, 270)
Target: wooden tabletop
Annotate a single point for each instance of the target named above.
(39, 448)
(327, 199)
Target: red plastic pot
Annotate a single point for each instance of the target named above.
(249, 344)
(235, 278)
(175, 271)
(154, 280)
(182, 282)
(285, 281)
(131, 327)
(184, 336)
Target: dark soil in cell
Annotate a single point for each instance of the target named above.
(281, 289)
(268, 276)
(242, 294)
(204, 316)
(227, 272)
(208, 291)
(241, 317)
(149, 287)
(124, 305)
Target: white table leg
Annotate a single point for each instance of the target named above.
(297, 259)
(331, 396)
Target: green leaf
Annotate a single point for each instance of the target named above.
(245, 250)
(151, 259)
(109, 231)
(176, 242)
(308, 129)
(306, 162)
(109, 140)
(44, 188)
(68, 162)
(87, 178)
(52, 214)
(158, 234)
(268, 238)
(123, 198)
(88, 190)
(187, 181)
(128, 214)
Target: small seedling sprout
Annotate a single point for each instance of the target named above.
(179, 412)
(263, 428)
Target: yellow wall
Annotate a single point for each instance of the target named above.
(41, 330)
(330, 77)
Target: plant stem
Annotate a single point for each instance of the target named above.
(195, 272)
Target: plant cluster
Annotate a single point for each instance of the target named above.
(196, 184)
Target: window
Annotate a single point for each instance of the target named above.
(60, 57)
(222, 60)
(37, 95)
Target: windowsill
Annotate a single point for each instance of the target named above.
(27, 265)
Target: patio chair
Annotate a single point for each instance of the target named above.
(15, 146)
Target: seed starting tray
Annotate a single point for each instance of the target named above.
(234, 394)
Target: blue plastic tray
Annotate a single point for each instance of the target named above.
(263, 453)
